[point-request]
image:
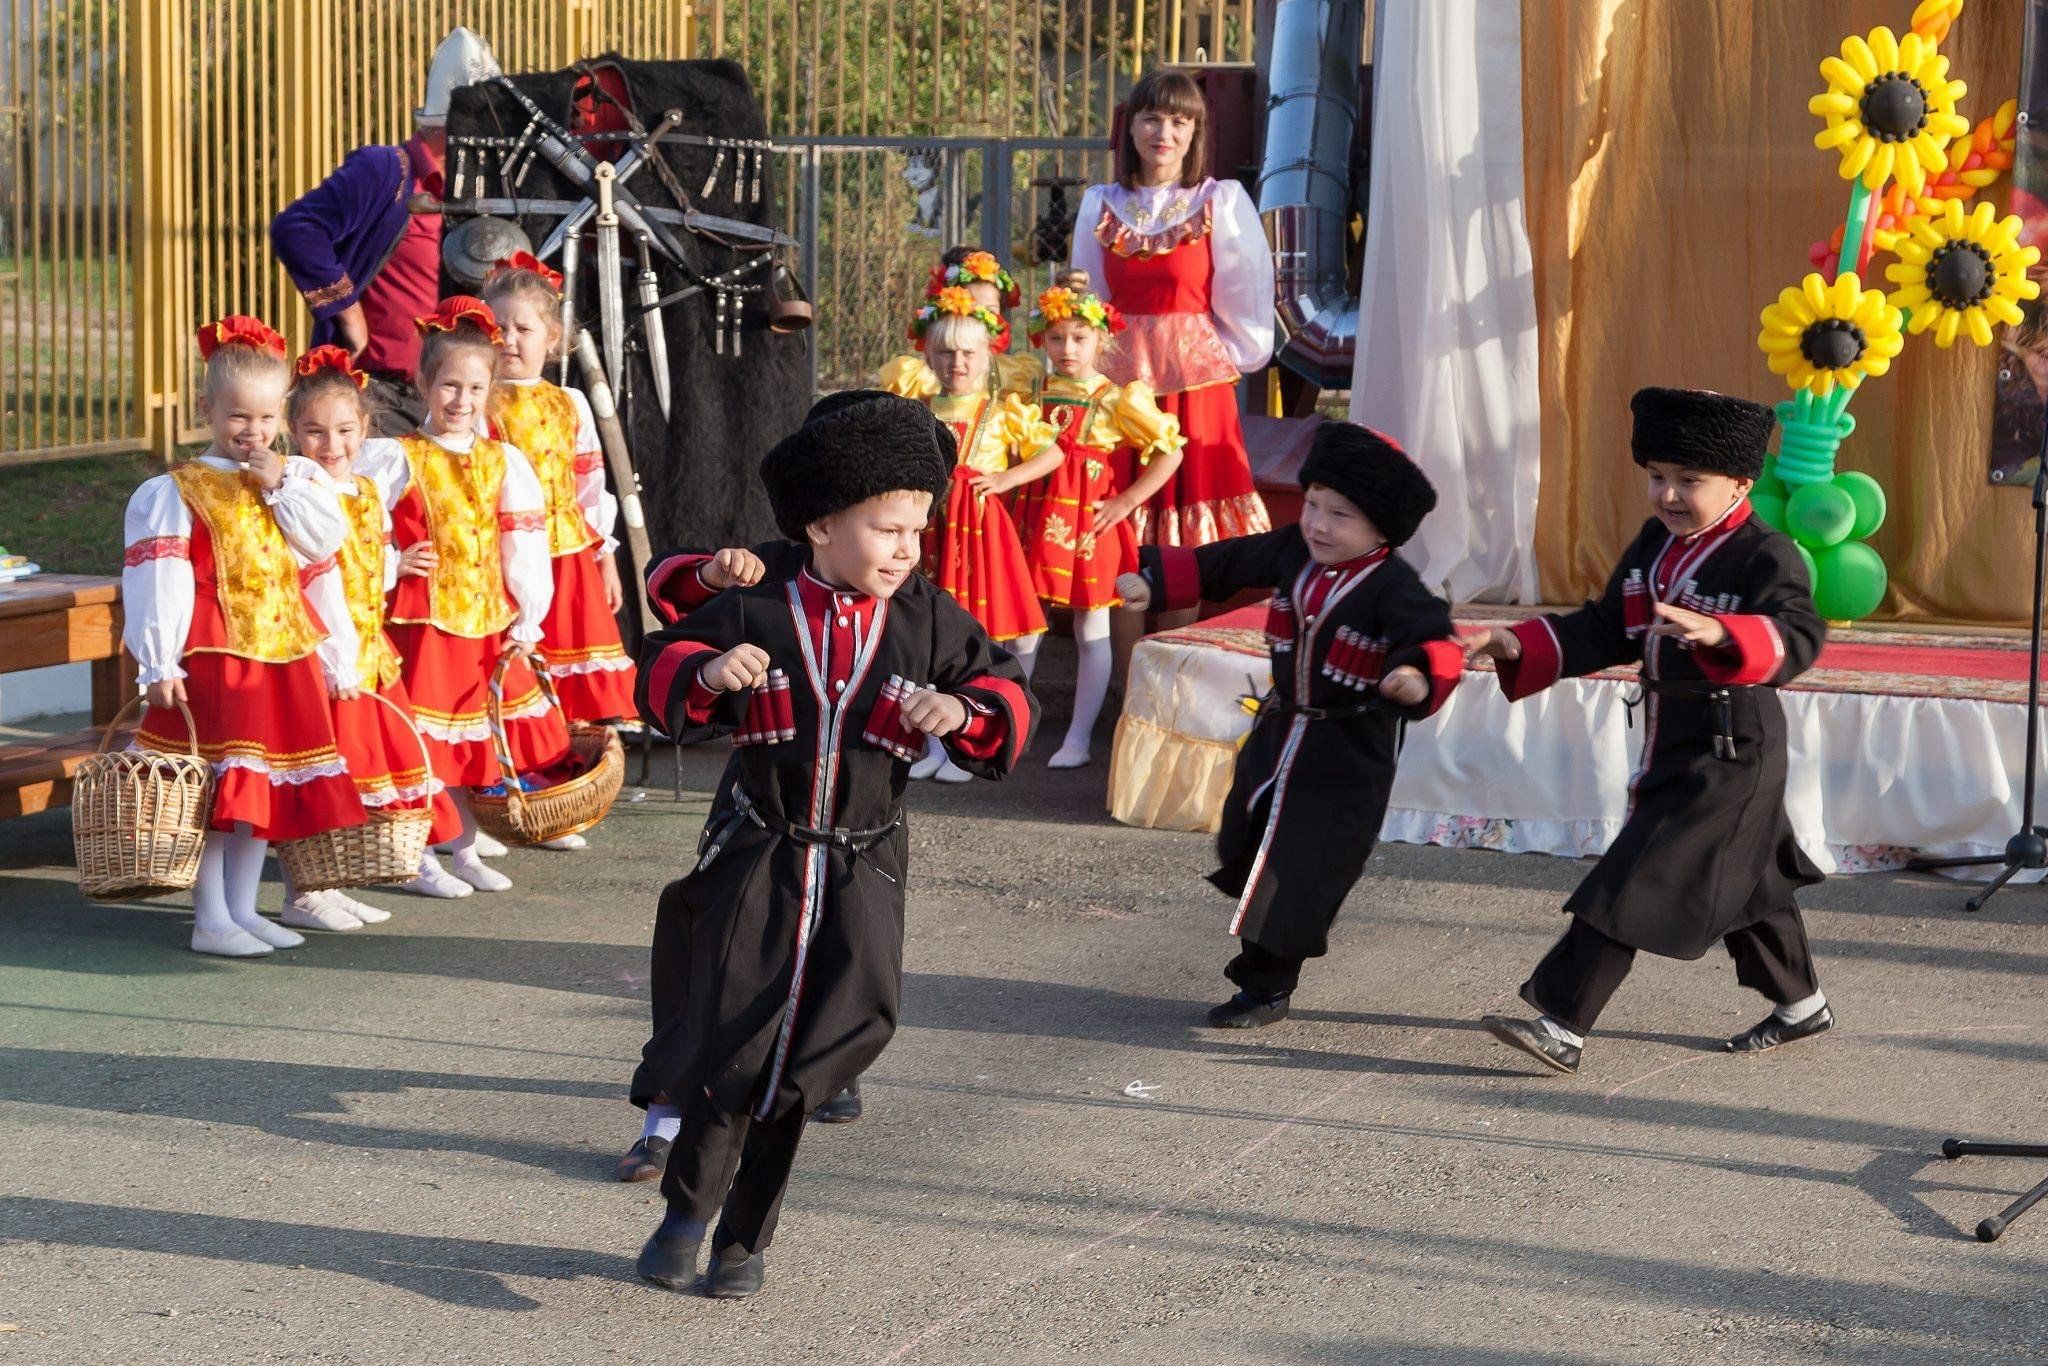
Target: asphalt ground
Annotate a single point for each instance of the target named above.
(394, 1145)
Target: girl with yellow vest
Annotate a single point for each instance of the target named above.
(468, 515)
(229, 588)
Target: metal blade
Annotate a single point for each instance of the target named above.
(611, 299)
(571, 250)
(652, 327)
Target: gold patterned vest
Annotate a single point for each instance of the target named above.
(540, 419)
(460, 491)
(256, 586)
(361, 562)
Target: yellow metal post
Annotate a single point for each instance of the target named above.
(309, 111)
(162, 101)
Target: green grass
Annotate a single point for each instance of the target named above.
(66, 514)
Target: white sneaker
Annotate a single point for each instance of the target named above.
(950, 772)
(436, 881)
(1070, 756)
(236, 943)
(274, 935)
(314, 911)
(479, 875)
(361, 910)
(566, 842)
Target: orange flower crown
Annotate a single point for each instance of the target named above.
(239, 329)
(324, 358)
(1060, 303)
(955, 301)
(457, 309)
(527, 261)
(978, 268)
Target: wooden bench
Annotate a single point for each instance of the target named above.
(60, 619)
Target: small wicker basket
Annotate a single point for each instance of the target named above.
(388, 847)
(567, 808)
(139, 818)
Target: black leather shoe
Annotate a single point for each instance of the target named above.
(644, 1161)
(1246, 1011)
(1773, 1032)
(1534, 1040)
(670, 1258)
(734, 1277)
(843, 1108)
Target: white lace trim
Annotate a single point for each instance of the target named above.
(284, 777)
(403, 796)
(616, 665)
(454, 735)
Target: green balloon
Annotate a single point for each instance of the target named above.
(1812, 573)
(1850, 581)
(1769, 509)
(1868, 495)
(1768, 483)
(1820, 515)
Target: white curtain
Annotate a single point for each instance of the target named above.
(1446, 360)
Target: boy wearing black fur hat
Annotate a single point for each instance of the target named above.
(1715, 605)
(1358, 644)
(790, 945)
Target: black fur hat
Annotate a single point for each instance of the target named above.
(1701, 430)
(1373, 472)
(852, 447)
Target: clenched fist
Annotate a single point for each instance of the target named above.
(1405, 685)
(1135, 590)
(935, 713)
(740, 668)
(734, 567)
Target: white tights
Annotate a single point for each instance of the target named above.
(230, 872)
(1091, 676)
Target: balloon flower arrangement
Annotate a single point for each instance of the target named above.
(1913, 164)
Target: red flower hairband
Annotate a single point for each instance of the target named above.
(330, 358)
(458, 309)
(526, 260)
(239, 329)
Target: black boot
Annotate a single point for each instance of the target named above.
(1249, 1010)
(644, 1161)
(670, 1258)
(1772, 1032)
(843, 1108)
(734, 1274)
(1535, 1040)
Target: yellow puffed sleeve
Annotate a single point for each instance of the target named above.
(1022, 426)
(908, 376)
(1140, 422)
(1018, 374)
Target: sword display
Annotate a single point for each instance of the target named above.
(574, 219)
(711, 224)
(652, 327)
(571, 249)
(611, 302)
(612, 436)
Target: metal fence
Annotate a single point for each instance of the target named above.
(146, 144)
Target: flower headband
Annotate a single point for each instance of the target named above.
(322, 358)
(458, 309)
(978, 268)
(954, 300)
(1061, 303)
(239, 329)
(526, 260)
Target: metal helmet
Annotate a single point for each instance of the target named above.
(477, 243)
(463, 58)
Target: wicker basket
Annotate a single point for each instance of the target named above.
(139, 818)
(386, 848)
(567, 808)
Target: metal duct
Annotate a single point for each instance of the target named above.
(1305, 182)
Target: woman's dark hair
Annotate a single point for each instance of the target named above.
(1172, 92)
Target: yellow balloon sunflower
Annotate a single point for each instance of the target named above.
(1890, 109)
(1960, 272)
(1819, 335)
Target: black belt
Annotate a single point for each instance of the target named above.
(1273, 702)
(832, 837)
(1720, 694)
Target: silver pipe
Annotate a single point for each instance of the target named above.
(1305, 182)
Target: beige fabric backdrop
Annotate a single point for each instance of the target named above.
(1673, 189)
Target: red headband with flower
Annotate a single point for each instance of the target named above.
(239, 329)
(978, 268)
(526, 260)
(955, 301)
(322, 358)
(1061, 303)
(457, 309)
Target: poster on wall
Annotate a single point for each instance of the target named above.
(2021, 417)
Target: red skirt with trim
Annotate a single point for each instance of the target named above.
(1211, 496)
(579, 639)
(448, 678)
(386, 763)
(973, 553)
(1071, 566)
(268, 731)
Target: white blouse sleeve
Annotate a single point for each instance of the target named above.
(307, 511)
(1087, 248)
(156, 579)
(382, 462)
(340, 647)
(1241, 292)
(523, 546)
(600, 508)
(390, 554)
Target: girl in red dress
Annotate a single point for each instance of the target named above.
(229, 587)
(1118, 450)
(557, 432)
(1185, 259)
(485, 588)
(971, 548)
(329, 415)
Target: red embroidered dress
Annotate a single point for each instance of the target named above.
(972, 549)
